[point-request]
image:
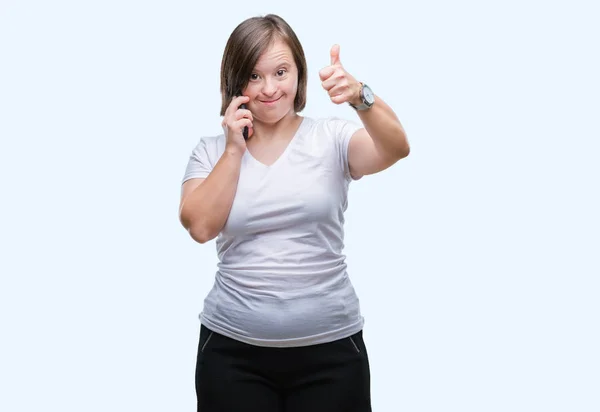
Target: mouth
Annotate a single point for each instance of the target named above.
(270, 101)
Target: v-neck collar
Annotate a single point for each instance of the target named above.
(285, 151)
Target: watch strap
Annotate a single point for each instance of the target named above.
(363, 105)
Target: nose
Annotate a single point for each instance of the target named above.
(269, 87)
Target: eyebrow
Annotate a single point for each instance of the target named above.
(282, 62)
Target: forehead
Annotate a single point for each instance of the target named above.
(276, 53)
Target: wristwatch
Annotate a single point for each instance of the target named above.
(367, 96)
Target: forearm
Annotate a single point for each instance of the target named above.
(385, 129)
(205, 210)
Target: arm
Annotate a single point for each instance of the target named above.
(206, 203)
(382, 142)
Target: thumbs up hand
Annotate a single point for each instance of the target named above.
(341, 85)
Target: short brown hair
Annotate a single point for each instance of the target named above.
(246, 43)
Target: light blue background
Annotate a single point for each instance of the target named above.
(476, 258)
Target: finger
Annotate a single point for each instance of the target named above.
(336, 79)
(335, 54)
(339, 89)
(326, 73)
(240, 124)
(243, 113)
(328, 84)
(235, 104)
(237, 101)
(339, 99)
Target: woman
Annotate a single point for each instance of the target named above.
(281, 329)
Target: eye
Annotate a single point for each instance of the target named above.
(253, 76)
(281, 72)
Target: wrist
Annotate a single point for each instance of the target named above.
(234, 150)
(365, 100)
(356, 99)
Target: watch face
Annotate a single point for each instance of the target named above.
(368, 94)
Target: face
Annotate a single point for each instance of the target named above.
(273, 84)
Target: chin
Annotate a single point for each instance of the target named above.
(275, 115)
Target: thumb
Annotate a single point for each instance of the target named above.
(335, 55)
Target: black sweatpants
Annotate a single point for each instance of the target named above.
(233, 376)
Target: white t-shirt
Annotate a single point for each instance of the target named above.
(281, 279)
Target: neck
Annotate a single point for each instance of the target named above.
(272, 131)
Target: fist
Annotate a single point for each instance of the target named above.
(341, 86)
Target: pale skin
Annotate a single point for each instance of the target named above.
(272, 122)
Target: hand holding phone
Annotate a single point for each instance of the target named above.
(244, 107)
(237, 121)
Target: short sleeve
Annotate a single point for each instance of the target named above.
(199, 163)
(342, 130)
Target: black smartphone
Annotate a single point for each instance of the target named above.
(243, 106)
